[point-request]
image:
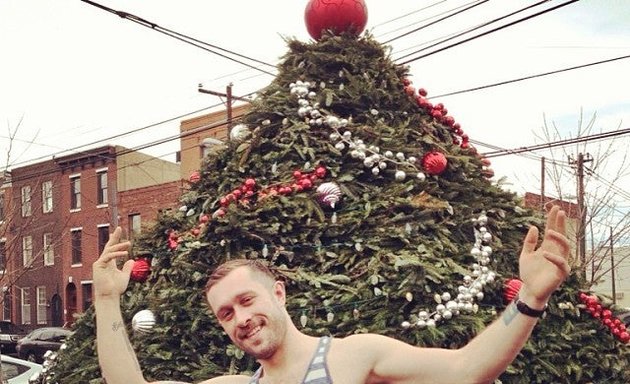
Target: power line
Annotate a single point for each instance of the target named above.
(181, 37)
(474, 28)
(560, 143)
(533, 76)
(490, 31)
(77, 148)
(409, 14)
(436, 21)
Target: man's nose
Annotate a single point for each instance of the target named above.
(242, 316)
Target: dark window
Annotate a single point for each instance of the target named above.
(75, 192)
(134, 225)
(2, 206)
(101, 187)
(3, 255)
(87, 296)
(103, 237)
(76, 246)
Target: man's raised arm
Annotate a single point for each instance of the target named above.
(116, 357)
(484, 358)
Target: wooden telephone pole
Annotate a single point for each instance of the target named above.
(229, 98)
(581, 230)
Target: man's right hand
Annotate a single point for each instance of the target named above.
(108, 280)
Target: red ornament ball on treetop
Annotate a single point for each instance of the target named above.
(337, 16)
(434, 163)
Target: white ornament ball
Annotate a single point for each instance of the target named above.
(240, 132)
(143, 321)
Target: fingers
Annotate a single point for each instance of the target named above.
(558, 261)
(531, 239)
(558, 241)
(561, 222)
(114, 249)
(127, 267)
(552, 216)
(114, 237)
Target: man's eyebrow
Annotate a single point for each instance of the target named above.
(235, 298)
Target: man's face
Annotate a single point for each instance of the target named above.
(250, 308)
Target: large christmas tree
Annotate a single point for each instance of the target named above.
(373, 206)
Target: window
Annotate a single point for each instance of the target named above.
(101, 188)
(6, 310)
(49, 249)
(41, 306)
(87, 295)
(26, 201)
(47, 197)
(103, 237)
(76, 246)
(1, 206)
(27, 251)
(26, 305)
(134, 225)
(3, 255)
(75, 192)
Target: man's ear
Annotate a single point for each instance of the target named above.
(280, 292)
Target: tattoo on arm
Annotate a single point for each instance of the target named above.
(509, 314)
(116, 325)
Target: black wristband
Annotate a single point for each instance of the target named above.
(527, 310)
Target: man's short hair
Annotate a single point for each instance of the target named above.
(256, 266)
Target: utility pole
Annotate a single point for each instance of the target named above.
(542, 184)
(581, 233)
(612, 268)
(228, 103)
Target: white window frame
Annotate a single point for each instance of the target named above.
(72, 230)
(47, 196)
(99, 172)
(26, 195)
(72, 192)
(49, 249)
(25, 304)
(27, 251)
(42, 305)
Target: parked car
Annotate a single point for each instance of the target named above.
(9, 336)
(18, 371)
(33, 346)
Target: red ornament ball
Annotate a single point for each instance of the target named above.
(337, 16)
(194, 177)
(141, 270)
(511, 288)
(434, 163)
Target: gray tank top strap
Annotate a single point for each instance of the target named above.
(317, 372)
(256, 376)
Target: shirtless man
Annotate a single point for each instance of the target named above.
(250, 306)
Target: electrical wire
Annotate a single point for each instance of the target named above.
(436, 21)
(533, 76)
(560, 143)
(474, 29)
(490, 31)
(408, 14)
(181, 37)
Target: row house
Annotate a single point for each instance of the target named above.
(64, 210)
(199, 135)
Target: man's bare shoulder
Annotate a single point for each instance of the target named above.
(233, 379)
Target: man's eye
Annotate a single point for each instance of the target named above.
(227, 315)
(247, 300)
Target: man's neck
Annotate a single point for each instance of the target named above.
(291, 360)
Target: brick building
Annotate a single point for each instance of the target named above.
(68, 206)
(199, 134)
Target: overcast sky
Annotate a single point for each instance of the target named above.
(74, 74)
